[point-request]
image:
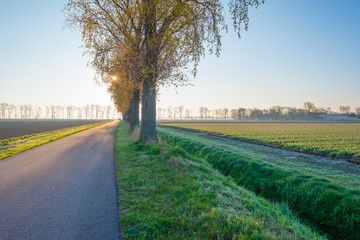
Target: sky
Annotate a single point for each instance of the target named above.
(293, 52)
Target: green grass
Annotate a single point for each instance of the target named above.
(284, 159)
(11, 146)
(330, 139)
(332, 207)
(165, 193)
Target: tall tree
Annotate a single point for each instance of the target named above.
(172, 33)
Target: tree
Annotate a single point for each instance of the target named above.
(108, 112)
(344, 109)
(309, 106)
(11, 109)
(357, 110)
(70, 111)
(180, 109)
(79, 113)
(225, 111)
(233, 113)
(241, 113)
(187, 113)
(172, 33)
(124, 72)
(169, 110)
(38, 112)
(3, 108)
(87, 111)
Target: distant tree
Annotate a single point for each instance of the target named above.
(159, 113)
(233, 113)
(11, 109)
(79, 112)
(70, 110)
(175, 111)
(26, 111)
(108, 112)
(309, 106)
(357, 110)
(3, 108)
(201, 111)
(187, 113)
(169, 110)
(344, 109)
(53, 111)
(217, 113)
(204, 112)
(256, 114)
(87, 111)
(47, 112)
(241, 112)
(226, 111)
(322, 110)
(60, 112)
(180, 109)
(37, 112)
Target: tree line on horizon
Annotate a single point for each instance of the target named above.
(136, 46)
(308, 112)
(28, 111)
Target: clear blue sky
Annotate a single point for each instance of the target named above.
(294, 51)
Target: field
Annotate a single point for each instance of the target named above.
(338, 140)
(17, 128)
(325, 193)
(14, 145)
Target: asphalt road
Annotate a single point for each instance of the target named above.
(61, 190)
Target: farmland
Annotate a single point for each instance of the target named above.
(17, 128)
(338, 140)
(323, 191)
(38, 135)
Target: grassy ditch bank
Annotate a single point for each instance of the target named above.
(12, 146)
(330, 206)
(334, 140)
(165, 193)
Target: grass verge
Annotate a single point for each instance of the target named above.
(12, 146)
(165, 193)
(330, 206)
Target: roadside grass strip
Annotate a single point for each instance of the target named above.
(332, 207)
(12, 146)
(165, 193)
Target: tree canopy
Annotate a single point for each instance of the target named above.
(154, 41)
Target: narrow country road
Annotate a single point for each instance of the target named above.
(61, 190)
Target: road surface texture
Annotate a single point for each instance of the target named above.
(61, 190)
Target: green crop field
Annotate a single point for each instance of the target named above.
(327, 139)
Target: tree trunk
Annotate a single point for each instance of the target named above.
(148, 114)
(125, 117)
(148, 107)
(134, 113)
